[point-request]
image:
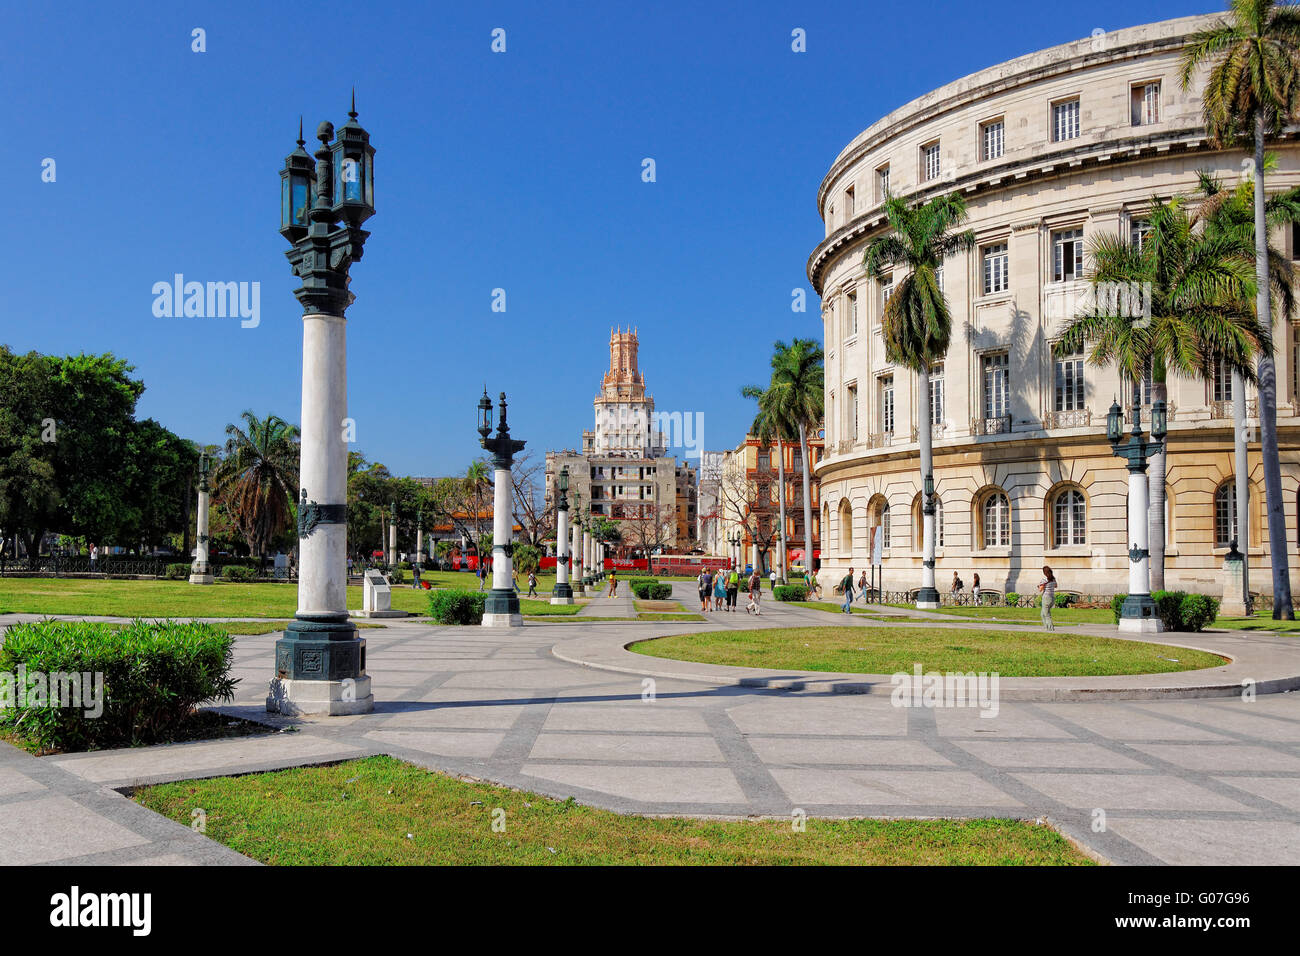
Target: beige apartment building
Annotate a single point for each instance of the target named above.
(1049, 150)
(744, 501)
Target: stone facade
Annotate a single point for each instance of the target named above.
(1049, 150)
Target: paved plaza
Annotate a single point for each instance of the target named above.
(1180, 781)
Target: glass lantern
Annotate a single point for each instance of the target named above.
(1159, 420)
(1114, 423)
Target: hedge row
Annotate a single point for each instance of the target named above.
(1177, 610)
(648, 590)
(148, 676)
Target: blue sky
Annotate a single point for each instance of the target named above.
(519, 171)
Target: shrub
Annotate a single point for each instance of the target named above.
(457, 607)
(237, 572)
(1169, 608)
(396, 575)
(1013, 598)
(792, 592)
(1198, 611)
(1064, 600)
(1117, 605)
(149, 677)
(177, 572)
(654, 591)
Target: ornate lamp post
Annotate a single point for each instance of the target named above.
(417, 559)
(392, 534)
(928, 597)
(734, 541)
(575, 549)
(1139, 611)
(320, 663)
(587, 563)
(501, 608)
(200, 571)
(562, 593)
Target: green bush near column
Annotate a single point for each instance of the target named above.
(457, 607)
(791, 592)
(150, 674)
(177, 572)
(1177, 610)
(237, 572)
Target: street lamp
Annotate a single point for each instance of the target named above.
(200, 571)
(320, 663)
(575, 549)
(562, 593)
(392, 535)
(927, 598)
(501, 607)
(1139, 611)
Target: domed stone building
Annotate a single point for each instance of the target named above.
(1049, 150)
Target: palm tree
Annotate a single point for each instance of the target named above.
(768, 425)
(917, 323)
(1252, 90)
(258, 477)
(796, 401)
(476, 479)
(1193, 318)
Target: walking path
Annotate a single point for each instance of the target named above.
(602, 606)
(1176, 781)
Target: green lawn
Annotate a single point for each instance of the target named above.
(1262, 621)
(885, 650)
(381, 811)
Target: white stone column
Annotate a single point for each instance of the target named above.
(322, 553)
(586, 553)
(392, 540)
(501, 561)
(419, 546)
(575, 558)
(1139, 571)
(563, 593)
(200, 571)
(927, 558)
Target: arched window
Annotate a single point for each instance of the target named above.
(995, 521)
(878, 514)
(1069, 518)
(1225, 514)
(918, 522)
(846, 528)
(884, 523)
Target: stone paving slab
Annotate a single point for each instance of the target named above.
(1180, 781)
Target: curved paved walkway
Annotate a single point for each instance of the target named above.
(1178, 781)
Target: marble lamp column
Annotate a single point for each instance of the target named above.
(562, 593)
(200, 571)
(501, 607)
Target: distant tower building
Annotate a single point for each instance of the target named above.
(624, 414)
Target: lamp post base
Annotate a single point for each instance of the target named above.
(927, 599)
(329, 698)
(201, 579)
(1138, 615)
(562, 593)
(501, 609)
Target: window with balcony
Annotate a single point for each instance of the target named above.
(995, 268)
(1221, 385)
(887, 404)
(936, 395)
(1065, 120)
(1145, 100)
(1067, 255)
(1068, 382)
(1225, 514)
(992, 139)
(930, 161)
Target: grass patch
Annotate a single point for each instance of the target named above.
(381, 811)
(884, 650)
(826, 606)
(535, 608)
(660, 606)
(1261, 621)
(1032, 615)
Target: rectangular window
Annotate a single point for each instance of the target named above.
(886, 290)
(1067, 255)
(887, 404)
(996, 385)
(929, 162)
(1295, 363)
(882, 182)
(852, 298)
(936, 394)
(992, 139)
(1222, 381)
(853, 412)
(1065, 120)
(995, 269)
(1138, 231)
(1145, 99)
(1068, 382)
(938, 277)
(850, 202)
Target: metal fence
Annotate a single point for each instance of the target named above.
(60, 566)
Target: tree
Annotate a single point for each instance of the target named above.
(478, 478)
(259, 477)
(526, 558)
(1196, 284)
(798, 398)
(1251, 91)
(917, 322)
(157, 482)
(748, 504)
(771, 424)
(648, 527)
(29, 487)
(535, 520)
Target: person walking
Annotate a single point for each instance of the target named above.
(957, 586)
(613, 584)
(772, 576)
(94, 555)
(847, 585)
(514, 579)
(702, 585)
(482, 575)
(532, 583)
(862, 586)
(1047, 588)
(733, 586)
(720, 592)
(975, 588)
(415, 576)
(755, 593)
